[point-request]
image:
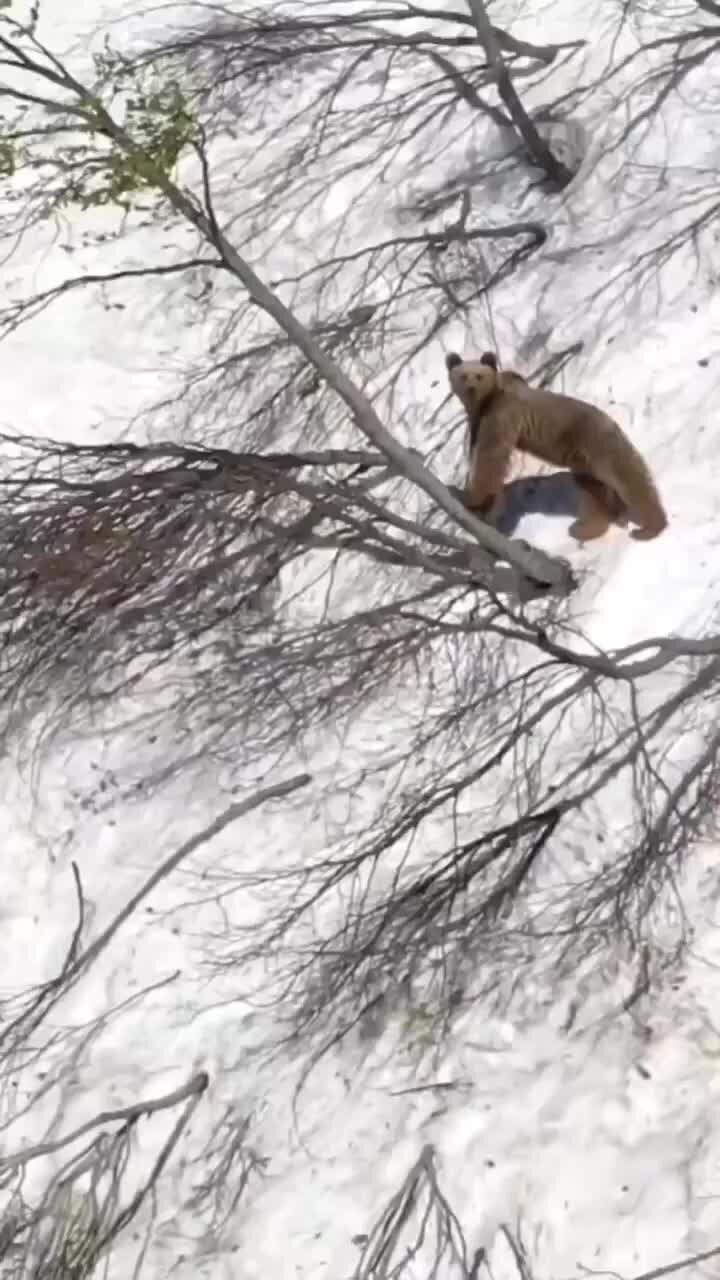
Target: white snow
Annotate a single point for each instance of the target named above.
(598, 1144)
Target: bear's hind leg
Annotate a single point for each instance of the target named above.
(651, 519)
(605, 496)
(598, 507)
(640, 498)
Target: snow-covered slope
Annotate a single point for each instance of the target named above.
(585, 1128)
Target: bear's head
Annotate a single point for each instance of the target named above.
(474, 381)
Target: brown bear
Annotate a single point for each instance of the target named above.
(505, 413)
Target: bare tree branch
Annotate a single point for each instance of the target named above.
(541, 153)
(126, 1115)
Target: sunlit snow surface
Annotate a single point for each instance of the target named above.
(599, 1144)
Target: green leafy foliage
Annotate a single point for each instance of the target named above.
(8, 156)
(161, 126)
(113, 146)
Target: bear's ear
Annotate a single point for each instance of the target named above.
(452, 360)
(489, 358)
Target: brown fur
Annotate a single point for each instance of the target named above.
(505, 413)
